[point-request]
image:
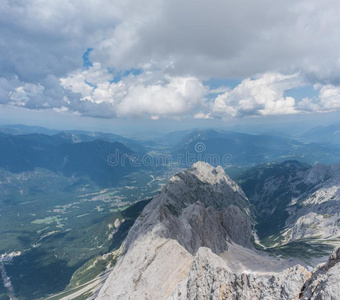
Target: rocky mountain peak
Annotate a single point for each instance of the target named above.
(214, 176)
(192, 241)
(204, 183)
(199, 207)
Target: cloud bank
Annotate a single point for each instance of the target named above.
(150, 59)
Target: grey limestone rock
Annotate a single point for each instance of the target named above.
(199, 207)
(176, 249)
(210, 278)
(324, 284)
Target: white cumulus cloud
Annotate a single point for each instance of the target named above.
(258, 97)
(150, 93)
(327, 101)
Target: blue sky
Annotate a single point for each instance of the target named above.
(86, 58)
(299, 93)
(140, 63)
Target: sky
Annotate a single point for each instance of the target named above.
(156, 63)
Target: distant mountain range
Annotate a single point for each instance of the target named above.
(74, 136)
(24, 129)
(82, 153)
(323, 134)
(61, 153)
(246, 149)
(318, 145)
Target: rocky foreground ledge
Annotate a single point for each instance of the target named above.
(188, 240)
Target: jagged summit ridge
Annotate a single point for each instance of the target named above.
(214, 176)
(199, 207)
(183, 244)
(206, 184)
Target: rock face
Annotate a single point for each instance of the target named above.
(324, 284)
(200, 207)
(210, 278)
(178, 249)
(295, 201)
